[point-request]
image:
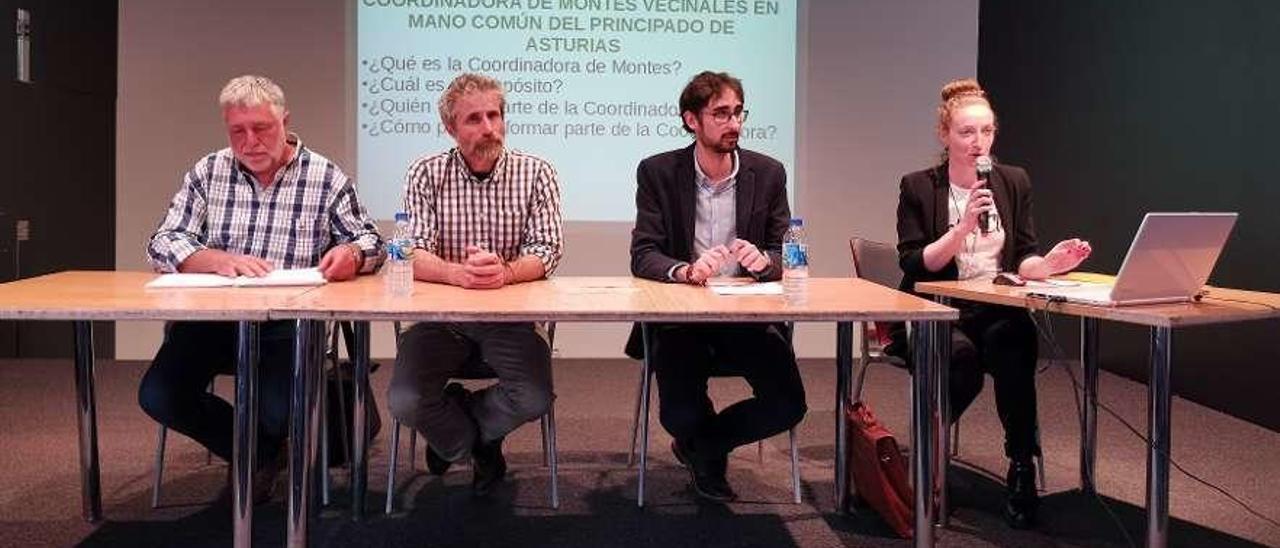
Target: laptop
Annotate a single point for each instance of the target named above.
(1169, 261)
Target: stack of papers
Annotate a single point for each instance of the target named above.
(277, 278)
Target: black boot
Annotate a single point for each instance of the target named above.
(1023, 500)
(706, 471)
(488, 466)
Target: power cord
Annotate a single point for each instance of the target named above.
(1077, 396)
(1046, 332)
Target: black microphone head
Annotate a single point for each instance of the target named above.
(984, 166)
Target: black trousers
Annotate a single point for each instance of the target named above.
(174, 390)
(684, 356)
(1000, 341)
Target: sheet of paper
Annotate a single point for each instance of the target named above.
(279, 277)
(1052, 283)
(285, 276)
(766, 288)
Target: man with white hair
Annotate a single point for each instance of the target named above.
(484, 216)
(263, 203)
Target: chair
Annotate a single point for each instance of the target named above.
(162, 434)
(875, 262)
(548, 423)
(639, 422)
(878, 262)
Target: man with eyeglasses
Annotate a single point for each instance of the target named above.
(707, 210)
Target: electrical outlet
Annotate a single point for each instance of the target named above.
(22, 230)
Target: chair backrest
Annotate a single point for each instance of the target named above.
(875, 261)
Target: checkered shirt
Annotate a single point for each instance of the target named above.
(311, 207)
(515, 211)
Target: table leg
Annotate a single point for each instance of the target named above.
(87, 417)
(942, 393)
(926, 336)
(844, 370)
(245, 443)
(360, 437)
(308, 340)
(645, 381)
(1089, 407)
(1158, 428)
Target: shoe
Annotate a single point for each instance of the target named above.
(264, 479)
(266, 476)
(1023, 500)
(706, 474)
(488, 466)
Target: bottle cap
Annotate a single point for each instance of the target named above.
(797, 221)
(402, 216)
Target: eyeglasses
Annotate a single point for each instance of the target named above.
(722, 116)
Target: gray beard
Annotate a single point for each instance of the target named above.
(489, 151)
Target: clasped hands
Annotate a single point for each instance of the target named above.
(482, 270)
(712, 260)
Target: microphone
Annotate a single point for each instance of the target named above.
(984, 174)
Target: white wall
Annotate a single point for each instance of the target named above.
(870, 73)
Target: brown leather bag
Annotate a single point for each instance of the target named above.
(878, 470)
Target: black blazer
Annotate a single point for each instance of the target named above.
(666, 201)
(922, 219)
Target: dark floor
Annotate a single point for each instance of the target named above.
(40, 488)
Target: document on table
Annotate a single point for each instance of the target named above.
(279, 277)
(765, 288)
(1052, 283)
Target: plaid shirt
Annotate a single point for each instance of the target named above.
(310, 208)
(515, 211)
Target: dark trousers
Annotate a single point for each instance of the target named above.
(684, 356)
(1000, 341)
(430, 354)
(175, 390)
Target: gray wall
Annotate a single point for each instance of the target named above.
(870, 71)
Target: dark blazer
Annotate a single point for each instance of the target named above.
(665, 208)
(923, 216)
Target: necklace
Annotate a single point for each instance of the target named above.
(969, 244)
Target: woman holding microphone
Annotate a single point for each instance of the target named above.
(966, 218)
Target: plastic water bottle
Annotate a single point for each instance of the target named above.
(399, 268)
(795, 264)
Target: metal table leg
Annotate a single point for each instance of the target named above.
(87, 417)
(1089, 407)
(844, 369)
(245, 444)
(926, 336)
(644, 412)
(303, 421)
(360, 437)
(942, 393)
(1158, 428)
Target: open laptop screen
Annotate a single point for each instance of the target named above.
(1172, 255)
